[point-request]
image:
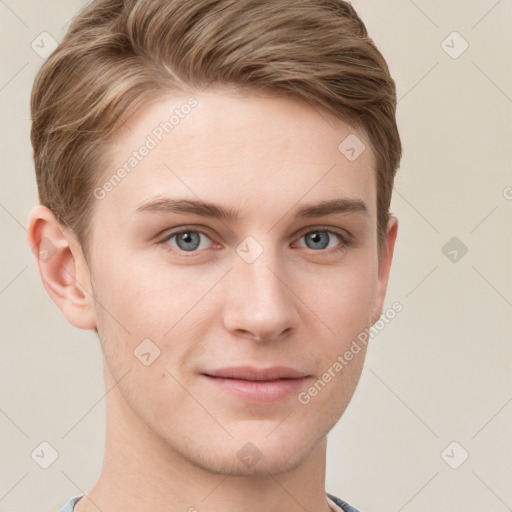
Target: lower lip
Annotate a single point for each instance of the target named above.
(258, 391)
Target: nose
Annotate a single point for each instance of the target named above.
(259, 301)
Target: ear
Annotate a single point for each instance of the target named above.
(62, 267)
(384, 268)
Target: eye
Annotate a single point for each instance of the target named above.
(193, 241)
(187, 240)
(320, 239)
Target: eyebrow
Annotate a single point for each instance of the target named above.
(207, 209)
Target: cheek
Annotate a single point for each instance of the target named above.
(140, 292)
(149, 300)
(342, 299)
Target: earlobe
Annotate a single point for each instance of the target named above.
(62, 267)
(385, 267)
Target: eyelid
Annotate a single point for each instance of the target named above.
(170, 234)
(331, 229)
(346, 239)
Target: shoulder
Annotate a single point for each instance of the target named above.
(343, 504)
(70, 505)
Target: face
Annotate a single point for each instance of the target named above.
(183, 292)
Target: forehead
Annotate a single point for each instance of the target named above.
(246, 152)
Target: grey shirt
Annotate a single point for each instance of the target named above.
(70, 505)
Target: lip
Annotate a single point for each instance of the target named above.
(257, 374)
(259, 385)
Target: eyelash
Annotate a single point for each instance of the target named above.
(346, 241)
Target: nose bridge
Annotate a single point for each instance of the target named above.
(259, 269)
(262, 274)
(259, 301)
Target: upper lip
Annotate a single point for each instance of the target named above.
(252, 373)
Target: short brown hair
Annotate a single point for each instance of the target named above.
(119, 54)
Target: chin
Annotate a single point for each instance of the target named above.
(254, 456)
(228, 464)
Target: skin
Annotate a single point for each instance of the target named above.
(171, 438)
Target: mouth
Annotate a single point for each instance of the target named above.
(258, 385)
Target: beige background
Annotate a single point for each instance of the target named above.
(439, 372)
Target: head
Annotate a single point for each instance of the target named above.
(260, 109)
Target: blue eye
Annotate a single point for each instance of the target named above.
(318, 240)
(187, 240)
